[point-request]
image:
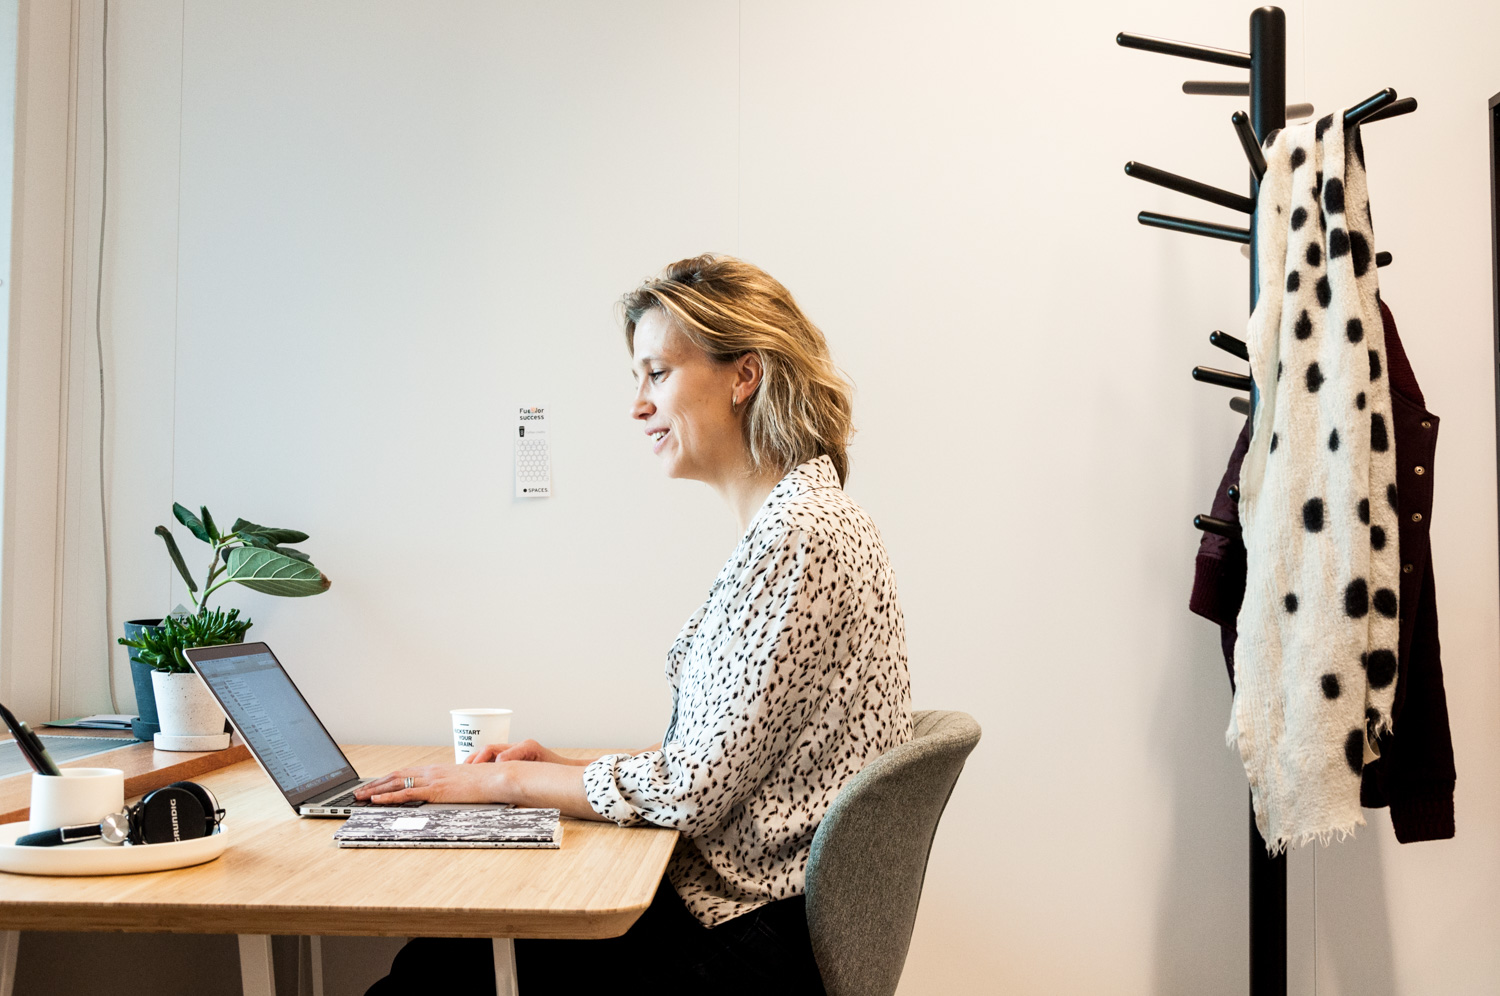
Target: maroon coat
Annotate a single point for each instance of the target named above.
(1414, 774)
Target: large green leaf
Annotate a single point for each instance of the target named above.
(194, 524)
(276, 536)
(274, 573)
(176, 554)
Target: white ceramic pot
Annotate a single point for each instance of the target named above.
(185, 706)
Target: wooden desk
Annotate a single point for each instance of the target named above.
(285, 874)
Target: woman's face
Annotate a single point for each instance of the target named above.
(682, 400)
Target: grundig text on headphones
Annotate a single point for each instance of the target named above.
(181, 811)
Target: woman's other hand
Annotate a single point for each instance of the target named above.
(527, 750)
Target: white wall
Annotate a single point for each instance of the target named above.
(348, 237)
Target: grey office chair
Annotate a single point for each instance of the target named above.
(869, 856)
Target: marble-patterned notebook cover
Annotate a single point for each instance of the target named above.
(451, 828)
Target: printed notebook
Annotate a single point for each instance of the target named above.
(451, 828)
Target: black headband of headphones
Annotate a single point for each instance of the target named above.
(180, 811)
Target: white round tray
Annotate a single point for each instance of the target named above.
(95, 857)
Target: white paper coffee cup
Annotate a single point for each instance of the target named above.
(81, 795)
(476, 729)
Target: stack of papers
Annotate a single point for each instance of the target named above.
(396, 827)
(103, 722)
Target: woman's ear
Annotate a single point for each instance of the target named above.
(748, 371)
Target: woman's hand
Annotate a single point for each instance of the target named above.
(549, 786)
(439, 783)
(527, 750)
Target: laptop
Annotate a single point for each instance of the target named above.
(289, 742)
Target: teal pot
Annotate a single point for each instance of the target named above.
(146, 725)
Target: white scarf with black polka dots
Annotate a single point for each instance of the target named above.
(1315, 664)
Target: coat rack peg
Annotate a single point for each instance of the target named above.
(1241, 122)
(1240, 405)
(1215, 88)
(1230, 344)
(1181, 184)
(1403, 106)
(1362, 110)
(1383, 259)
(1203, 53)
(1218, 527)
(1225, 88)
(1223, 378)
(1226, 232)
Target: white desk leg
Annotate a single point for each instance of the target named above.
(10, 946)
(315, 946)
(505, 967)
(257, 972)
(309, 965)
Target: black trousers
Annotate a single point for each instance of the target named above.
(764, 951)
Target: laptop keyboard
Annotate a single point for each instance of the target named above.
(347, 801)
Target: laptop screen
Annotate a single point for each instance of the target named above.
(280, 728)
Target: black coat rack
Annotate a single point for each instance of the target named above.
(1266, 89)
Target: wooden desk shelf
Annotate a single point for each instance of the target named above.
(145, 768)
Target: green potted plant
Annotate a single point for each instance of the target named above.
(169, 697)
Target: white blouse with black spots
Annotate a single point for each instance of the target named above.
(786, 682)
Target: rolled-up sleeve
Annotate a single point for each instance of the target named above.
(611, 785)
(751, 681)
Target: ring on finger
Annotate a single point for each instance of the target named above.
(408, 781)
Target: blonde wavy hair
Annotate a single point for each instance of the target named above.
(728, 308)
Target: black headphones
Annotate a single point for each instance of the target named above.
(180, 811)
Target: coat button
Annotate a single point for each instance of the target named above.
(1426, 424)
(1420, 471)
(1416, 517)
(1405, 568)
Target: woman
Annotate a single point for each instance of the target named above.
(786, 681)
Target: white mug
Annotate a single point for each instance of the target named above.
(476, 729)
(81, 795)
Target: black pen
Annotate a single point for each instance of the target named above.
(31, 745)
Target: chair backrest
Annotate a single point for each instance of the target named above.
(869, 856)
